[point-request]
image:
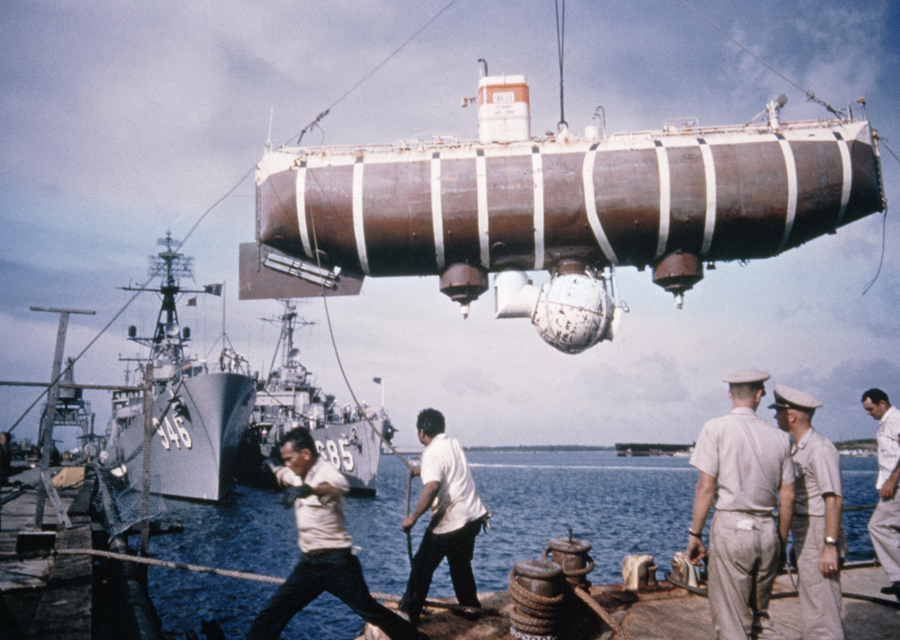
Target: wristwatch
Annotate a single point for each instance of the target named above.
(831, 542)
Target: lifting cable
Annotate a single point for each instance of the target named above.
(560, 46)
(319, 117)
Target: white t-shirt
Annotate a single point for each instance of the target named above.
(320, 520)
(457, 502)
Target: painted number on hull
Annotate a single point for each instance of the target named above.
(337, 453)
(174, 433)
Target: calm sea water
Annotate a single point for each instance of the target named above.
(620, 505)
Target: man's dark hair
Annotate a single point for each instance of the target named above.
(301, 438)
(746, 391)
(431, 421)
(876, 396)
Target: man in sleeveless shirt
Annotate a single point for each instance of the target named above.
(745, 467)
(819, 543)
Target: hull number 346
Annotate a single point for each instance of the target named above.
(173, 433)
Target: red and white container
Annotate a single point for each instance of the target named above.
(503, 109)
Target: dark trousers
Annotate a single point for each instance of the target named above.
(458, 547)
(339, 573)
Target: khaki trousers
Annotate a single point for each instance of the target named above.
(884, 529)
(820, 597)
(744, 555)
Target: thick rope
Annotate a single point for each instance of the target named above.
(244, 575)
(603, 613)
(533, 613)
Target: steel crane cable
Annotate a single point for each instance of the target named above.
(560, 45)
(319, 117)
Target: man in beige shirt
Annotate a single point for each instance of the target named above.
(819, 543)
(327, 562)
(745, 467)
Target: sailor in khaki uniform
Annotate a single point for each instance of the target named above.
(745, 466)
(819, 543)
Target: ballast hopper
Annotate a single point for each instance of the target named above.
(576, 206)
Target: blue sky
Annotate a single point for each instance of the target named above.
(120, 122)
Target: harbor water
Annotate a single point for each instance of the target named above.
(620, 505)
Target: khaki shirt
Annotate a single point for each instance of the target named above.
(749, 459)
(817, 466)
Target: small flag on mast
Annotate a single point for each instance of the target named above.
(192, 302)
(215, 289)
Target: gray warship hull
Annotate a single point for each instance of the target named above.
(349, 436)
(195, 446)
(353, 447)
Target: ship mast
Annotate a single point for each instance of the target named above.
(170, 266)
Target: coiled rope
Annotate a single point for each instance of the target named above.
(533, 613)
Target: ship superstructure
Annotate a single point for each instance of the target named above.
(199, 416)
(347, 435)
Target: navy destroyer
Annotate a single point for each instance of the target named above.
(199, 416)
(347, 435)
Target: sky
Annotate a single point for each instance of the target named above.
(122, 121)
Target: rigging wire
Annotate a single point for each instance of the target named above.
(883, 225)
(71, 364)
(337, 354)
(560, 45)
(369, 75)
(810, 96)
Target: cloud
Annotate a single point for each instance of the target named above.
(121, 122)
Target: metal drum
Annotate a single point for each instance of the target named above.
(536, 586)
(572, 556)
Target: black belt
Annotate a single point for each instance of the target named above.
(319, 553)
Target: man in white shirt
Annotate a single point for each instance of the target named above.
(457, 516)
(326, 559)
(884, 526)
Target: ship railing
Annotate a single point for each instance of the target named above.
(684, 127)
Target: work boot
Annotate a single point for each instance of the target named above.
(893, 590)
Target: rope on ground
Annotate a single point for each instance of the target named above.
(244, 575)
(170, 565)
(603, 613)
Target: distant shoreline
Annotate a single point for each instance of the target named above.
(542, 448)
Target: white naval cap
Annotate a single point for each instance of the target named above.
(787, 398)
(747, 377)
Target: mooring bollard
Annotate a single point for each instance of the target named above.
(638, 572)
(536, 586)
(572, 556)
